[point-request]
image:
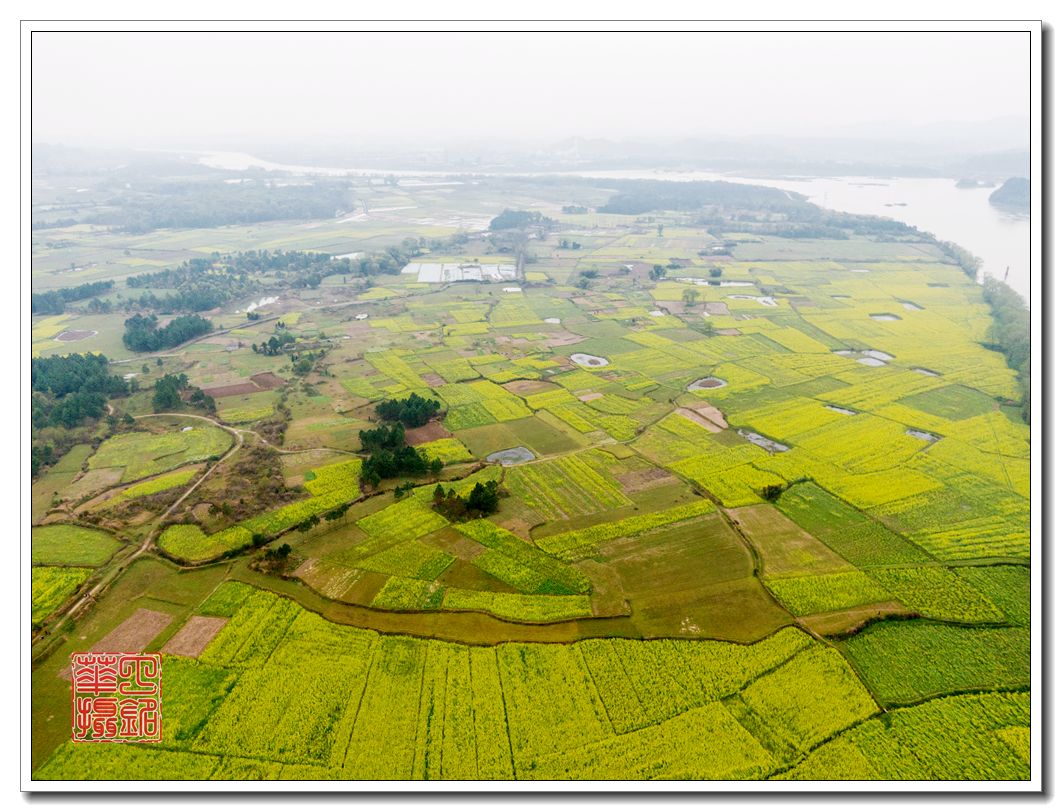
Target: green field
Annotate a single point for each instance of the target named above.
(72, 546)
(815, 569)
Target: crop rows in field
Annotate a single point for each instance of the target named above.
(539, 572)
(158, 484)
(332, 486)
(342, 477)
(938, 593)
(851, 534)
(584, 419)
(812, 594)
(564, 487)
(51, 586)
(141, 454)
(402, 521)
(448, 449)
(979, 737)
(906, 661)
(282, 693)
(576, 544)
(71, 545)
(190, 543)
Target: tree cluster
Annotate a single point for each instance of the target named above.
(412, 411)
(147, 206)
(514, 219)
(482, 501)
(170, 391)
(54, 302)
(143, 334)
(1010, 334)
(66, 392)
(69, 389)
(281, 342)
(389, 456)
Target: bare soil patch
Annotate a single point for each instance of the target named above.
(268, 380)
(562, 339)
(644, 480)
(245, 388)
(432, 430)
(728, 331)
(847, 621)
(75, 335)
(194, 636)
(433, 379)
(529, 387)
(131, 635)
(713, 414)
(457, 545)
(699, 419)
(589, 396)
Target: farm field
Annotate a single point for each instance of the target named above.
(641, 529)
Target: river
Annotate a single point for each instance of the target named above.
(936, 205)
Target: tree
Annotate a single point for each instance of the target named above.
(484, 497)
(715, 272)
(657, 272)
(660, 230)
(772, 492)
(690, 296)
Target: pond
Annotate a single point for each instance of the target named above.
(511, 456)
(766, 301)
(763, 442)
(551, 320)
(884, 317)
(928, 372)
(584, 360)
(923, 435)
(870, 358)
(711, 382)
(840, 409)
(912, 306)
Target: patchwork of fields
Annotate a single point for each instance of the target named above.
(811, 567)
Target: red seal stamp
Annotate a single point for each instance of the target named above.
(116, 697)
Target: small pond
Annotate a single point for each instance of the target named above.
(711, 382)
(923, 435)
(884, 317)
(584, 360)
(840, 410)
(870, 358)
(911, 306)
(766, 301)
(928, 372)
(511, 456)
(763, 442)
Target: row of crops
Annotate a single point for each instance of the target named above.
(281, 693)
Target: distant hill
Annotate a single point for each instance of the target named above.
(1013, 195)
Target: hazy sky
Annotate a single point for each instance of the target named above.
(171, 89)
